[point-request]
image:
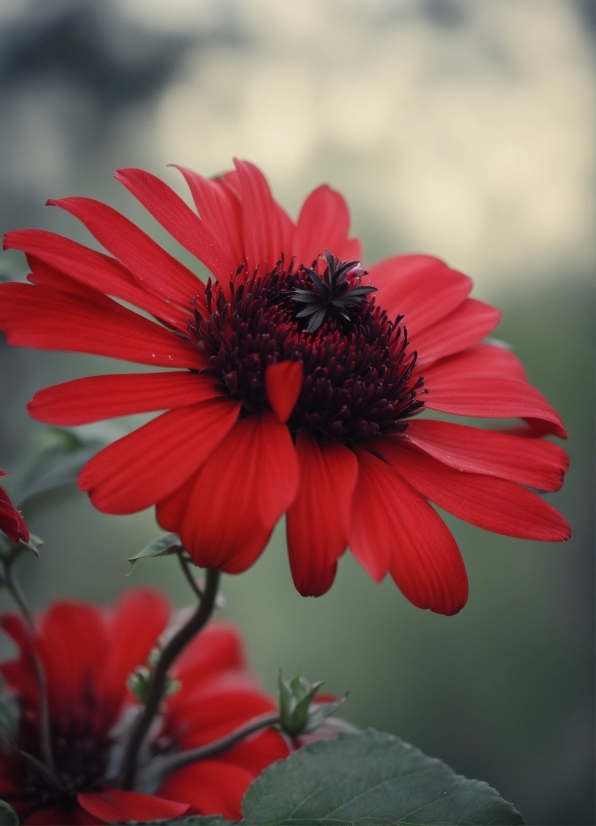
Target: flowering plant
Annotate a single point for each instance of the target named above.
(295, 381)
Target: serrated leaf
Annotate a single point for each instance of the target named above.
(8, 816)
(370, 779)
(164, 545)
(61, 458)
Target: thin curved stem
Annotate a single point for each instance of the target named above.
(188, 574)
(162, 766)
(158, 680)
(45, 736)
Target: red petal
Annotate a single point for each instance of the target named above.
(22, 678)
(91, 268)
(464, 327)
(220, 209)
(140, 469)
(11, 520)
(492, 398)
(393, 525)
(117, 806)
(15, 628)
(421, 288)
(491, 503)
(52, 320)
(323, 223)
(153, 268)
(231, 180)
(482, 360)
(318, 519)
(533, 462)
(170, 511)
(283, 382)
(267, 230)
(256, 753)
(179, 220)
(241, 491)
(74, 649)
(218, 649)
(46, 275)
(138, 619)
(211, 787)
(351, 250)
(211, 711)
(104, 397)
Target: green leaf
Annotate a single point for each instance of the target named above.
(8, 816)
(164, 545)
(370, 779)
(62, 455)
(193, 820)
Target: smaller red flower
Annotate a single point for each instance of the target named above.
(11, 521)
(88, 654)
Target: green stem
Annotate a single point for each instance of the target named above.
(158, 680)
(188, 574)
(45, 736)
(162, 766)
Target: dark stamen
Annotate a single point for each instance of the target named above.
(358, 368)
(334, 293)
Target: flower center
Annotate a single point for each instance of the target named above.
(80, 756)
(357, 368)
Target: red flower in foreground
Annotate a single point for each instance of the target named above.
(292, 386)
(11, 521)
(88, 654)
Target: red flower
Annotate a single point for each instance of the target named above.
(87, 654)
(292, 387)
(11, 521)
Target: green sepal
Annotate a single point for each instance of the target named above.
(139, 684)
(162, 546)
(320, 713)
(295, 700)
(34, 543)
(10, 551)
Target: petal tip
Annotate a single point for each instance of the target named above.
(283, 382)
(565, 531)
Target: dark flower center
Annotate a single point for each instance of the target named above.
(357, 368)
(80, 757)
(335, 293)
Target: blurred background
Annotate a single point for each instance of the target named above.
(459, 128)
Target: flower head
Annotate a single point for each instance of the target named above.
(11, 521)
(87, 655)
(298, 383)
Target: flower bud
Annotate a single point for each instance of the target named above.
(297, 711)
